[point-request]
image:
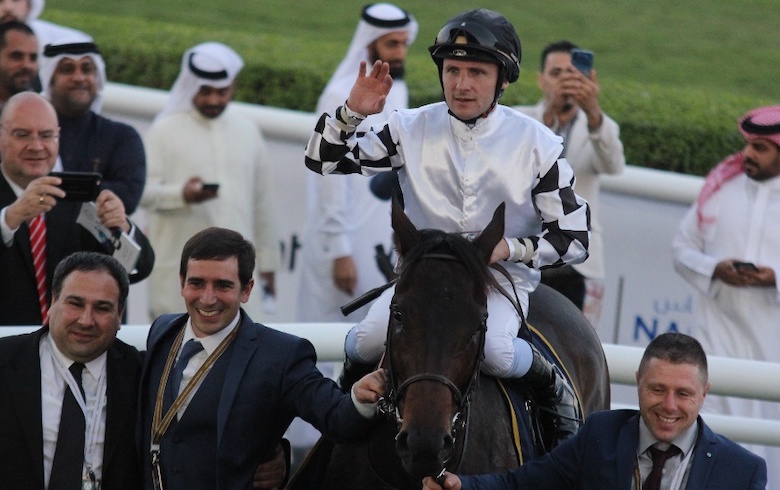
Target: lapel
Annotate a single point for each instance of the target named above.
(121, 372)
(705, 452)
(147, 387)
(626, 452)
(243, 350)
(159, 329)
(26, 380)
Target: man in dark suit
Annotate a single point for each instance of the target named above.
(212, 412)
(28, 151)
(89, 294)
(612, 449)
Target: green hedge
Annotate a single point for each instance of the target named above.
(669, 128)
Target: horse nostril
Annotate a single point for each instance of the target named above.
(449, 442)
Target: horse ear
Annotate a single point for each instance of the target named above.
(487, 240)
(406, 235)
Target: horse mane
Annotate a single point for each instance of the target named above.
(440, 242)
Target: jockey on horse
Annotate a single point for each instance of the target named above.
(456, 161)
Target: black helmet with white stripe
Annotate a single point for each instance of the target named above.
(480, 35)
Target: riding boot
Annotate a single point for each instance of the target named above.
(559, 412)
(351, 373)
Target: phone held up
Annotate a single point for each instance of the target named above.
(211, 187)
(79, 186)
(582, 60)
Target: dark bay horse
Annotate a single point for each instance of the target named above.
(444, 414)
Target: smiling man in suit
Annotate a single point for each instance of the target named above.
(218, 390)
(617, 449)
(37, 227)
(38, 382)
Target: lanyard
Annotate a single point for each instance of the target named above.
(161, 423)
(92, 413)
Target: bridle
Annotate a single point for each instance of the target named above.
(388, 405)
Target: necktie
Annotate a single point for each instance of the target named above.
(191, 347)
(38, 246)
(653, 481)
(69, 455)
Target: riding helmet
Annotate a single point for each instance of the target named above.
(480, 35)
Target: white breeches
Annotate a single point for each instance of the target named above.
(506, 356)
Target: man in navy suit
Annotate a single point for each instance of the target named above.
(611, 450)
(244, 384)
(89, 297)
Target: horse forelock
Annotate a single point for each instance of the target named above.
(434, 242)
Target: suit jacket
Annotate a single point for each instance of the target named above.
(93, 143)
(602, 455)
(18, 291)
(21, 431)
(270, 378)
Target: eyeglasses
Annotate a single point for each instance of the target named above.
(27, 136)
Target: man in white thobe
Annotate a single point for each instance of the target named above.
(728, 248)
(196, 142)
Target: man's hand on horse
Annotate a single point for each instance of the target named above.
(369, 93)
(370, 387)
(451, 482)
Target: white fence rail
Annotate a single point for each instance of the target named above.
(730, 377)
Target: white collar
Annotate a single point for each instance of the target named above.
(210, 342)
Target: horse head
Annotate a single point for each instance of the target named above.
(435, 338)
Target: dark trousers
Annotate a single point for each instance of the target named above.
(567, 281)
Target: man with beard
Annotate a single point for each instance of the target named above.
(345, 221)
(207, 166)
(73, 75)
(28, 11)
(18, 59)
(728, 248)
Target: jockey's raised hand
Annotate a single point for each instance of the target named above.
(370, 91)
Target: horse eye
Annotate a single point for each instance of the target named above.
(397, 316)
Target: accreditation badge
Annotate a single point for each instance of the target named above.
(90, 484)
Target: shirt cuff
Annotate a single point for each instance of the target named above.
(367, 410)
(348, 120)
(520, 251)
(6, 233)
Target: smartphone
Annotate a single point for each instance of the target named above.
(745, 265)
(79, 186)
(211, 187)
(582, 59)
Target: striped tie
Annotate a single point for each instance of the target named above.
(38, 246)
